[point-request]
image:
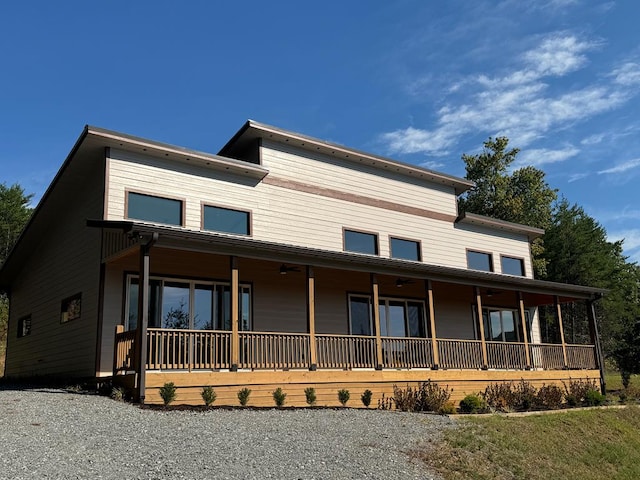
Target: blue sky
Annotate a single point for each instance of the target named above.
(421, 82)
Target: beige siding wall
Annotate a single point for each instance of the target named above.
(309, 219)
(66, 262)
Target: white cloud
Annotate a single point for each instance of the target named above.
(593, 139)
(432, 165)
(577, 176)
(622, 167)
(542, 156)
(627, 74)
(519, 104)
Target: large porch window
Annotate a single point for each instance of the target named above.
(188, 304)
(398, 317)
(503, 325)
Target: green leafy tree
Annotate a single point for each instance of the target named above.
(521, 196)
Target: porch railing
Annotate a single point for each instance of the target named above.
(463, 354)
(346, 351)
(407, 352)
(124, 352)
(266, 350)
(507, 355)
(175, 349)
(187, 349)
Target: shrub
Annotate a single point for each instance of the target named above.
(385, 403)
(168, 393)
(366, 397)
(549, 397)
(473, 403)
(499, 397)
(310, 395)
(594, 398)
(576, 391)
(447, 409)
(243, 396)
(427, 397)
(117, 394)
(343, 396)
(279, 397)
(524, 396)
(208, 395)
(405, 400)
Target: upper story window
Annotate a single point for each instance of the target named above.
(405, 249)
(24, 326)
(226, 220)
(512, 266)
(360, 242)
(479, 261)
(154, 209)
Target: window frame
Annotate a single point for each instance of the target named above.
(193, 282)
(385, 300)
(522, 267)
(183, 203)
(489, 254)
(375, 235)
(412, 240)
(65, 303)
(23, 321)
(249, 213)
(517, 323)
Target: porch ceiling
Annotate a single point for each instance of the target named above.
(182, 239)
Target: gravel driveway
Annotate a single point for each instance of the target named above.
(47, 433)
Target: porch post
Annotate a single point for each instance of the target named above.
(524, 330)
(143, 316)
(556, 302)
(485, 363)
(235, 338)
(595, 339)
(311, 316)
(432, 325)
(376, 319)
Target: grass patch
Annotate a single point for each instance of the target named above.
(593, 444)
(613, 381)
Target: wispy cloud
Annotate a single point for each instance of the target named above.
(622, 167)
(432, 165)
(577, 176)
(541, 156)
(520, 104)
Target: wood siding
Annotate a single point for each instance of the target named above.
(66, 262)
(294, 217)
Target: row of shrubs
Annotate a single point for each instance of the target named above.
(208, 394)
(430, 397)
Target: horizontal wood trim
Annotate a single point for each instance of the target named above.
(355, 198)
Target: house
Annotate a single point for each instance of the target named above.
(259, 267)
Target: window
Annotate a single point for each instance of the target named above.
(360, 242)
(154, 209)
(188, 304)
(512, 266)
(405, 249)
(24, 326)
(70, 308)
(503, 325)
(479, 261)
(226, 220)
(398, 317)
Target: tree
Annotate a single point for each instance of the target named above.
(522, 196)
(14, 214)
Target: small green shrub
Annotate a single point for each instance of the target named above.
(447, 409)
(343, 396)
(549, 397)
(473, 403)
(117, 394)
(208, 395)
(310, 395)
(168, 393)
(594, 398)
(243, 396)
(279, 397)
(576, 391)
(366, 397)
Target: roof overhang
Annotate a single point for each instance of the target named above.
(252, 131)
(180, 238)
(495, 224)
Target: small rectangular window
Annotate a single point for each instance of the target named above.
(70, 308)
(512, 266)
(154, 209)
(226, 220)
(479, 261)
(24, 326)
(361, 242)
(405, 249)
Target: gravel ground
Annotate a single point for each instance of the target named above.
(47, 433)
